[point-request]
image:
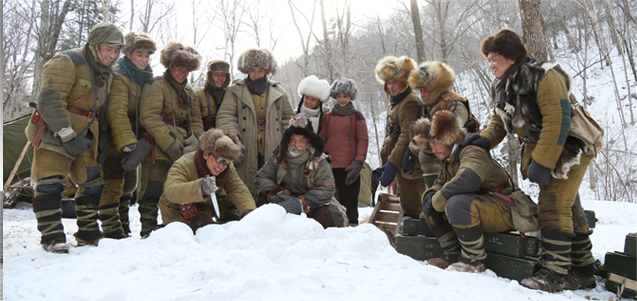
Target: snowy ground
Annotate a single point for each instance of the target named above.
(267, 256)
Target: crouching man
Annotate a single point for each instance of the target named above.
(196, 176)
(461, 203)
(298, 178)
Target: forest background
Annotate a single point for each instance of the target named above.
(594, 40)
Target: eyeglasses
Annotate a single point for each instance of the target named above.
(219, 160)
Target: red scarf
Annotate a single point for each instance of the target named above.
(202, 168)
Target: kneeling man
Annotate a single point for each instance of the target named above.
(298, 178)
(460, 204)
(196, 177)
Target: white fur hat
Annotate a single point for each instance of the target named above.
(312, 86)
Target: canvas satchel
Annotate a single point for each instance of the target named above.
(585, 128)
(524, 213)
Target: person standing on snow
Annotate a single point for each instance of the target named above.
(172, 121)
(65, 133)
(314, 93)
(218, 78)
(345, 136)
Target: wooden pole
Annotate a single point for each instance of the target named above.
(17, 165)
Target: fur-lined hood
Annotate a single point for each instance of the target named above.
(180, 55)
(392, 68)
(138, 41)
(219, 66)
(344, 85)
(435, 76)
(315, 87)
(257, 58)
(224, 145)
(445, 128)
(300, 125)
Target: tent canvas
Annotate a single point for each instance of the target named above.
(13, 140)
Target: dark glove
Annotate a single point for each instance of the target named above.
(291, 204)
(389, 173)
(132, 159)
(78, 145)
(191, 143)
(175, 150)
(475, 139)
(353, 171)
(274, 192)
(429, 211)
(408, 160)
(538, 173)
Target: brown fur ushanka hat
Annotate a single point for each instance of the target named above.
(219, 66)
(257, 58)
(224, 145)
(392, 68)
(180, 55)
(138, 41)
(445, 128)
(505, 42)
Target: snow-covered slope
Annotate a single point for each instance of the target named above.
(267, 256)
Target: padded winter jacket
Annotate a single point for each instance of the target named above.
(345, 138)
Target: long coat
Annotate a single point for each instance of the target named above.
(183, 185)
(63, 82)
(237, 114)
(121, 112)
(157, 99)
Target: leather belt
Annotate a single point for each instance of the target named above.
(88, 114)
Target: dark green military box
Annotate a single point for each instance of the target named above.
(631, 245)
(512, 244)
(621, 264)
(616, 288)
(413, 226)
(418, 247)
(512, 267)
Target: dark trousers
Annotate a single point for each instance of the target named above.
(347, 194)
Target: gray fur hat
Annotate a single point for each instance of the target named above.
(224, 145)
(257, 58)
(344, 85)
(312, 86)
(180, 55)
(138, 41)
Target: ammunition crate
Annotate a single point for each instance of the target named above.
(616, 288)
(512, 244)
(631, 245)
(418, 247)
(410, 227)
(621, 264)
(512, 267)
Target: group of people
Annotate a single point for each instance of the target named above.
(214, 154)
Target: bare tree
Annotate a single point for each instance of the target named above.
(106, 6)
(231, 13)
(533, 29)
(344, 25)
(420, 43)
(326, 44)
(305, 41)
(155, 12)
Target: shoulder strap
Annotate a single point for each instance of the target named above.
(76, 56)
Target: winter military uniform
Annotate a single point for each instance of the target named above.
(172, 121)
(211, 96)
(258, 111)
(438, 78)
(188, 180)
(65, 132)
(460, 205)
(532, 100)
(122, 115)
(302, 183)
(403, 110)
(345, 136)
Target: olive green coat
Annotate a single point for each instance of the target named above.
(183, 185)
(400, 118)
(237, 114)
(203, 103)
(123, 99)
(157, 98)
(470, 170)
(63, 83)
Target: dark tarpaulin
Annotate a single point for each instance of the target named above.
(13, 141)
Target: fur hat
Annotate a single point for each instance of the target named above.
(257, 58)
(301, 125)
(434, 76)
(180, 55)
(312, 86)
(505, 42)
(344, 85)
(105, 32)
(219, 66)
(445, 128)
(392, 68)
(226, 146)
(138, 41)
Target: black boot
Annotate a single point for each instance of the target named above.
(124, 205)
(448, 242)
(111, 225)
(87, 214)
(148, 215)
(48, 212)
(472, 254)
(555, 262)
(581, 275)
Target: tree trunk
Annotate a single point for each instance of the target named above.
(420, 43)
(533, 29)
(106, 6)
(327, 45)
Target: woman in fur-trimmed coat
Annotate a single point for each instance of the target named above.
(257, 109)
(172, 120)
(345, 136)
